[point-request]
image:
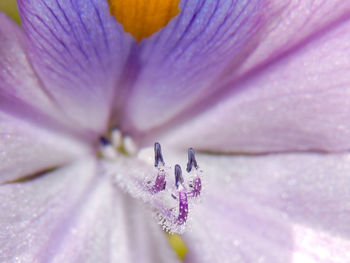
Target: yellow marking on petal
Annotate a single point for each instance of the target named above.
(10, 8)
(178, 245)
(142, 18)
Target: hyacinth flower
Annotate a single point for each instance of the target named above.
(224, 121)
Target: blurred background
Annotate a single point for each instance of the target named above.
(10, 8)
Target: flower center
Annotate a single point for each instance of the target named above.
(170, 194)
(142, 18)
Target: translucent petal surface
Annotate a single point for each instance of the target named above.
(299, 103)
(274, 208)
(19, 82)
(298, 23)
(39, 212)
(52, 219)
(26, 149)
(22, 94)
(78, 50)
(33, 135)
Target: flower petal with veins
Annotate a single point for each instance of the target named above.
(39, 212)
(26, 149)
(33, 134)
(299, 23)
(179, 63)
(49, 219)
(18, 80)
(300, 103)
(273, 208)
(78, 50)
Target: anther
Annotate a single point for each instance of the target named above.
(191, 160)
(106, 149)
(171, 197)
(158, 157)
(116, 138)
(160, 182)
(196, 187)
(130, 145)
(178, 176)
(196, 184)
(183, 202)
(104, 141)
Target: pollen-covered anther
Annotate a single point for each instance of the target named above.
(173, 202)
(158, 157)
(195, 173)
(171, 198)
(183, 202)
(159, 163)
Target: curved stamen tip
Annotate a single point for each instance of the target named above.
(104, 141)
(158, 157)
(178, 176)
(191, 160)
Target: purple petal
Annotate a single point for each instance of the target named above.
(78, 50)
(179, 63)
(21, 93)
(52, 219)
(300, 103)
(26, 149)
(18, 80)
(33, 136)
(298, 23)
(274, 208)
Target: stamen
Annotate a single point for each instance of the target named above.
(171, 197)
(104, 141)
(160, 183)
(183, 202)
(130, 146)
(196, 183)
(158, 155)
(106, 149)
(159, 163)
(116, 138)
(196, 187)
(183, 207)
(178, 176)
(191, 160)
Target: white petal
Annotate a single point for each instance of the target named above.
(26, 148)
(76, 214)
(299, 103)
(35, 213)
(274, 208)
(31, 137)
